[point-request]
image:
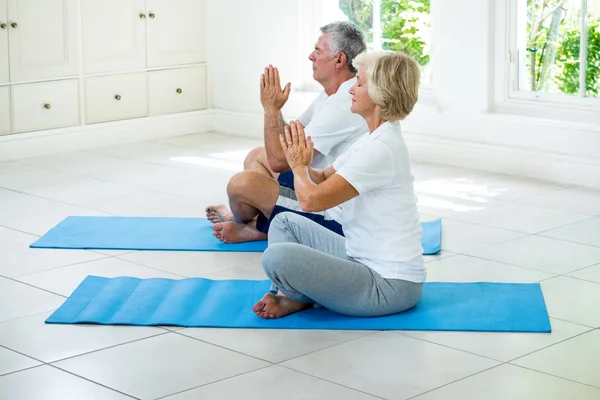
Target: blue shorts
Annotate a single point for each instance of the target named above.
(288, 202)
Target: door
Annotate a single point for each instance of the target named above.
(43, 37)
(176, 32)
(4, 77)
(114, 35)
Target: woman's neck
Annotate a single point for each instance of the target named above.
(374, 121)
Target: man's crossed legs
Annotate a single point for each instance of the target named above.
(255, 196)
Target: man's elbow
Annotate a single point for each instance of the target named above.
(278, 165)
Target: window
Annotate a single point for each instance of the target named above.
(553, 55)
(400, 25)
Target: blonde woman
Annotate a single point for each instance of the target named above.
(377, 267)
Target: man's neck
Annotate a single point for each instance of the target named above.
(331, 87)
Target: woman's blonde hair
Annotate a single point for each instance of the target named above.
(393, 80)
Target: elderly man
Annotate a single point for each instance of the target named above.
(265, 187)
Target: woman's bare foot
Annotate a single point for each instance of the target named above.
(278, 306)
(234, 232)
(220, 213)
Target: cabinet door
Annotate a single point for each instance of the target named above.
(176, 32)
(3, 42)
(46, 105)
(114, 35)
(4, 110)
(43, 37)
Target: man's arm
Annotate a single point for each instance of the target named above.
(274, 126)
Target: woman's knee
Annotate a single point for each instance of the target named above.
(280, 258)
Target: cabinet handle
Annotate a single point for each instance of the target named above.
(142, 16)
(14, 25)
(118, 97)
(3, 25)
(152, 15)
(47, 106)
(179, 90)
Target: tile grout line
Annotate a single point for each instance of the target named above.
(214, 382)
(555, 376)
(93, 382)
(458, 380)
(549, 346)
(332, 382)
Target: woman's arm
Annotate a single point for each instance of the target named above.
(331, 192)
(316, 190)
(320, 175)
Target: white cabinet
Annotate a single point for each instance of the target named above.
(175, 32)
(43, 39)
(114, 35)
(45, 105)
(64, 63)
(4, 77)
(177, 90)
(4, 110)
(115, 97)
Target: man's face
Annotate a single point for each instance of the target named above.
(323, 62)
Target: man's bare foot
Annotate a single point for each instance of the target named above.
(234, 232)
(220, 213)
(278, 306)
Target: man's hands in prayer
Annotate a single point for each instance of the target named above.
(271, 95)
(298, 150)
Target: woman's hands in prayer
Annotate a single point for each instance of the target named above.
(298, 150)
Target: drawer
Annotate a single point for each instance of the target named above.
(4, 110)
(116, 97)
(177, 90)
(45, 105)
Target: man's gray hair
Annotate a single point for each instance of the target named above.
(345, 37)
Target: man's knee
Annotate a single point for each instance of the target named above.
(240, 184)
(258, 154)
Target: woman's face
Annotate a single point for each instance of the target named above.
(361, 101)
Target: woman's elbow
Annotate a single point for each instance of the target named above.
(310, 205)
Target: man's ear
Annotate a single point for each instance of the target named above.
(341, 60)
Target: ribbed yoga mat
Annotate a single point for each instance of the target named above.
(164, 233)
(198, 302)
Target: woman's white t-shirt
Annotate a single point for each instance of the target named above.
(381, 225)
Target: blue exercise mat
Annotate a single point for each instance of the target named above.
(163, 233)
(198, 302)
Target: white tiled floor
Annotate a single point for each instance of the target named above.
(496, 228)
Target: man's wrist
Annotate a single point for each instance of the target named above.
(270, 109)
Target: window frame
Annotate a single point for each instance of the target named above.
(507, 95)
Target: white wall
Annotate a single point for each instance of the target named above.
(243, 38)
(454, 125)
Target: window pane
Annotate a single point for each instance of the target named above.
(405, 26)
(549, 46)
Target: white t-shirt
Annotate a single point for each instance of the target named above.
(381, 224)
(331, 125)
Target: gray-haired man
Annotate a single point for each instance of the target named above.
(266, 186)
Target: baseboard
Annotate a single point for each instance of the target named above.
(34, 144)
(238, 124)
(559, 168)
(550, 167)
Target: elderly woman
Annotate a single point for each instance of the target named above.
(377, 267)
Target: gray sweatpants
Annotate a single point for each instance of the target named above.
(308, 263)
